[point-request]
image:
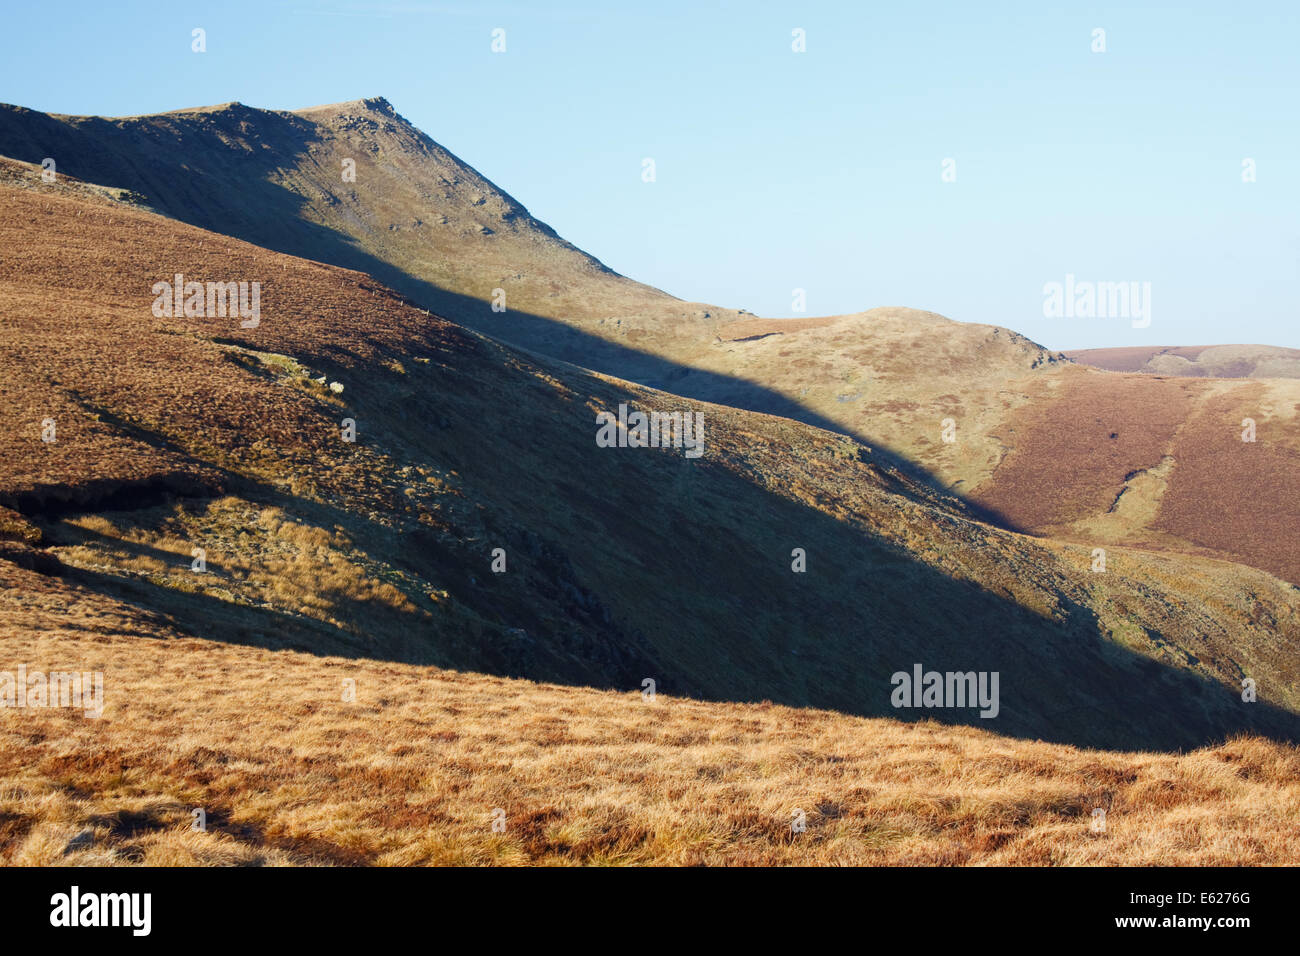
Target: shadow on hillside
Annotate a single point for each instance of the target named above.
(709, 608)
(625, 565)
(245, 204)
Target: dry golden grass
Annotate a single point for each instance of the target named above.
(412, 771)
(273, 561)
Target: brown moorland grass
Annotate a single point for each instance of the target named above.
(1071, 452)
(1161, 462)
(1237, 497)
(1215, 361)
(412, 771)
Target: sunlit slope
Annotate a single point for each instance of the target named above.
(1031, 437)
(353, 184)
(415, 768)
(621, 563)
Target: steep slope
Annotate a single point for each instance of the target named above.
(414, 216)
(191, 431)
(424, 223)
(980, 410)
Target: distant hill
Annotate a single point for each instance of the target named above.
(1208, 361)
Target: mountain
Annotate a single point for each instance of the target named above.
(1039, 443)
(415, 217)
(183, 432)
(348, 680)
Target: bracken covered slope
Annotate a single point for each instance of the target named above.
(415, 217)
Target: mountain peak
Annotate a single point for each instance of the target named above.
(368, 104)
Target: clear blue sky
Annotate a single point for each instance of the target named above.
(778, 170)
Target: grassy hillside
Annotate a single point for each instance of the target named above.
(415, 217)
(622, 564)
(1158, 467)
(413, 771)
